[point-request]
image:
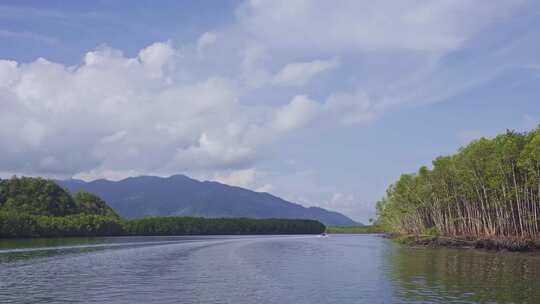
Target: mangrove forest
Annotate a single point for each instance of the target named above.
(489, 189)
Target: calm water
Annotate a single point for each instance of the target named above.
(267, 269)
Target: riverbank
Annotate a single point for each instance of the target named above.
(370, 229)
(20, 225)
(498, 244)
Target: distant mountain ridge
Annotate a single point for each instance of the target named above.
(179, 195)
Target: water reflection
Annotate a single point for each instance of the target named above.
(465, 276)
(259, 269)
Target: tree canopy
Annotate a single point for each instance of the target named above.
(490, 188)
(36, 207)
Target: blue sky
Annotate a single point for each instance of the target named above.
(322, 103)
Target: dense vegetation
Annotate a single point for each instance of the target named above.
(35, 207)
(14, 225)
(223, 226)
(32, 207)
(490, 189)
(38, 196)
(354, 229)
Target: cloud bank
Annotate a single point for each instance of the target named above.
(113, 112)
(214, 107)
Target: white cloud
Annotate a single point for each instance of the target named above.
(205, 40)
(249, 178)
(155, 57)
(113, 138)
(254, 57)
(8, 73)
(350, 108)
(111, 113)
(214, 153)
(163, 111)
(300, 73)
(114, 175)
(32, 133)
(265, 188)
(298, 113)
(241, 178)
(369, 25)
(114, 113)
(340, 109)
(350, 204)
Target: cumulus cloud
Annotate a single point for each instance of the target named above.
(167, 110)
(241, 178)
(8, 72)
(341, 109)
(265, 188)
(114, 175)
(114, 113)
(249, 178)
(298, 113)
(300, 73)
(111, 112)
(350, 204)
(206, 39)
(214, 153)
(155, 57)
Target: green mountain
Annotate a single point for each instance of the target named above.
(179, 195)
(38, 196)
(35, 207)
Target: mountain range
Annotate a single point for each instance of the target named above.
(179, 195)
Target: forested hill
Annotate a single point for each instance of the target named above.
(35, 207)
(488, 189)
(180, 195)
(37, 196)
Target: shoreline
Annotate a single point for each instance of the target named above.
(492, 244)
(364, 229)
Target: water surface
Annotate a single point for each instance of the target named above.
(259, 269)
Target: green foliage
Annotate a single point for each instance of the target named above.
(355, 229)
(35, 207)
(35, 196)
(220, 226)
(490, 188)
(432, 231)
(89, 203)
(18, 225)
(38, 196)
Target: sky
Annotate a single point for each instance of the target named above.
(324, 103)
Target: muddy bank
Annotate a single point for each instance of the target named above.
(501, 244)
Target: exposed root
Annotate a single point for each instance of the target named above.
(510, 244)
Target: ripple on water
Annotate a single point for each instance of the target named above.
(265, 269)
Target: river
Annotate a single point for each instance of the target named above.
(260, 269)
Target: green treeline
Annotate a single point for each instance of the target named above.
(489, 189)
(222, 226)
(13, 225)
(355, 229)
(22, 225)
(35, 207)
